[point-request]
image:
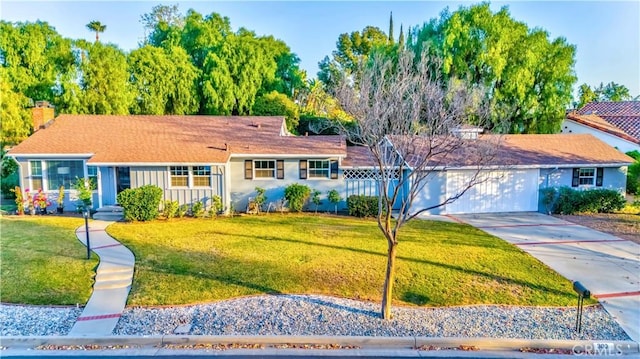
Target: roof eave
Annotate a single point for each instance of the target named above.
(294, 155)
(51, 155)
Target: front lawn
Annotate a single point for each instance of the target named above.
(42, 262)
(188, 261)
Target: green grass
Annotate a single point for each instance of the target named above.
(42, 262)
(188, 261)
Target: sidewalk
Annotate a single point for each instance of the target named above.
(606, 265)
(112, 282)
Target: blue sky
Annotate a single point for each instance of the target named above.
(606, 33)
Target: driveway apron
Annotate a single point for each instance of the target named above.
(112, 282)
(606, 265)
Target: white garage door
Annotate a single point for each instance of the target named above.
(498, 191)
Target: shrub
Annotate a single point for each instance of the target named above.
(197, 209)
(315, 198)
(216, 206)
(85, 188)
(334, 197)
(603, 201)
(362, 206)
(548, 197)
(566, 200)
(140, 204)
(261, 198)
(297, 195)
(633, 173)
(170, 209)
(182, 210)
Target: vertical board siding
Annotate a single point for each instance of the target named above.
(159, 176)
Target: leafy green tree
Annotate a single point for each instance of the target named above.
(164, 81)
(352, 49)
(203, 35)
(585, 95)
(184, 98)
(105, 81)
(151, 75)
(529, 77)
(277, 104)
(217, 86)
(615, 92)
(34, 56)
(163, 25)
(97, 27)
(610, 92)
(14, 115)
(233, 76)
(288, 78)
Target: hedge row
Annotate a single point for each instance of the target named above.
(565, 200)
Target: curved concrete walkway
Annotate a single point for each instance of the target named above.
(112, 282)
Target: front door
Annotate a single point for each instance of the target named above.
(123, 180)
(108, 185)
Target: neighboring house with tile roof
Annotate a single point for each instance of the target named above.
(616, 123)
(193, 158)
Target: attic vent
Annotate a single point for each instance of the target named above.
(256, 124)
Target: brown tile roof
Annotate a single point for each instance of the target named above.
(623, 117)
(530, 150)
(622, 108)
(599, 123)
(171, 139)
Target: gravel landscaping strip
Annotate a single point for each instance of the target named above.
(17, 320)
(320, 315)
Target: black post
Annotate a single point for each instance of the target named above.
(579, 316)
(86, 228)
(583, 292)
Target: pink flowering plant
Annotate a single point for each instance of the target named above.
(40, 200)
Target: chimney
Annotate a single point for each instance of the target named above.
(42, 113)
(226, 147)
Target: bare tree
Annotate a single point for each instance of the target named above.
(414, 124)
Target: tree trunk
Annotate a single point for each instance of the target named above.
(387, 292)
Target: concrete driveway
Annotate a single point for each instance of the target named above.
(607, 265)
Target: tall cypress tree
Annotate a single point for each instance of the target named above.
(391, 28)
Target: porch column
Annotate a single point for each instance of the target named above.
(227, 185)
(99, 187)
